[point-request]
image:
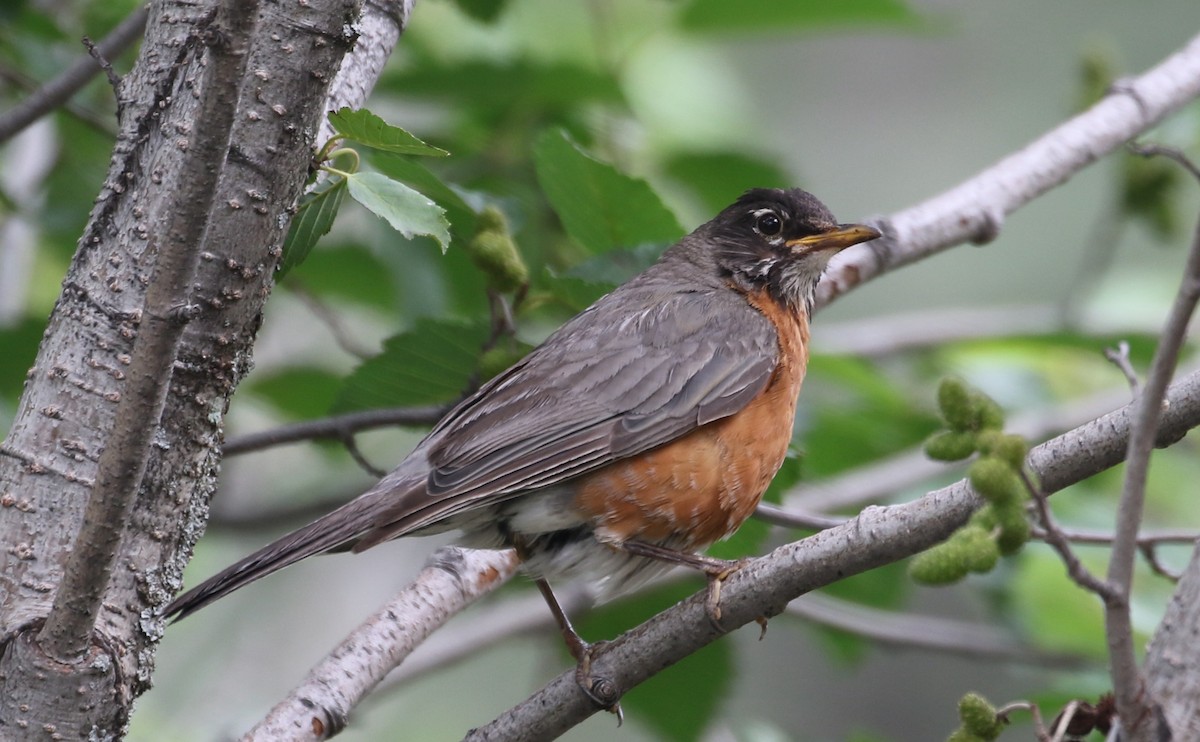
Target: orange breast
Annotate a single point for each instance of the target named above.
(698, 489)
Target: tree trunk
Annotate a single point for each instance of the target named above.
(48, 461)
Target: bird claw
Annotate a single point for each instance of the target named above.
(601, 690)
(716, 578)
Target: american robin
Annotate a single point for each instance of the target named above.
(642, 431)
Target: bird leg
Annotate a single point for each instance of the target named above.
(716, 570)
(602, 691)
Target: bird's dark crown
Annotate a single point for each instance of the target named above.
(751, 242)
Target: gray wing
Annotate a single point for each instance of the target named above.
(633, 372)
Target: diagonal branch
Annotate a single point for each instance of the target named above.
(975, 209)
(59, 90)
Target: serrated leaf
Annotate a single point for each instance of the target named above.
(369, 130)
(461, 215)
(600, 207)
(432, 363)
(409, 212)
(314, 218)
(299, 392)
(776, 16)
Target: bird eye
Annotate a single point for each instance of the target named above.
(769, 224)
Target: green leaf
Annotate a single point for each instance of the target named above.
(20, 343)
(792, 15)
(302, 393)
(718, 178)
(349, 273)
(314, 218)
(511, 87)
(482, 10)
(617, 266)
(369, 130)
(461, 215)
(679, 702)
(432, 363)
(600, 207)
(409, 212)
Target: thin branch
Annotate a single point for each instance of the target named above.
(1039, 729)
(359, 458)
(1080, 574)
(56, 92)
(1119, 357)
(344, 339)
(922, 632)
(1137, 717)
(67, 633)
(95, 53)
(337, 427)
(1150, 554)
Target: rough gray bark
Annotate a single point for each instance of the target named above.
(48, 461)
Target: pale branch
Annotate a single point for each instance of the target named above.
(452, 579)
(67, 633)
(337, 427)
(1139, 719)
(975, 210)
(57, 91)
(875, 337)
(877, 536)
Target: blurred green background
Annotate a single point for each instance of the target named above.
(874, 106)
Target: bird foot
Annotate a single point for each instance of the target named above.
(600, 689)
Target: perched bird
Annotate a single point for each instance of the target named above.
(642, 431)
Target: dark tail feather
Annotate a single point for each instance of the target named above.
(337, 529)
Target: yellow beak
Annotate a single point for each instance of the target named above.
(839, 238)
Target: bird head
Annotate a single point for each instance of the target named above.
(780, 241)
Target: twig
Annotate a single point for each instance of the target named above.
(1150, 554)
(1119, 357)
(57, 91)
(1039, 729)
(344, 339)
(95, 52)
(336, 427)
(922, 631)
(778, 516)
(1055, 538)
(360, 459)
(1133, 708)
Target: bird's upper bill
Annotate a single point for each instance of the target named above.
(836, 239)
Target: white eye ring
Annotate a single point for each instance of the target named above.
(767, 223)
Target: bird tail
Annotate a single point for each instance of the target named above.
(338, 530)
